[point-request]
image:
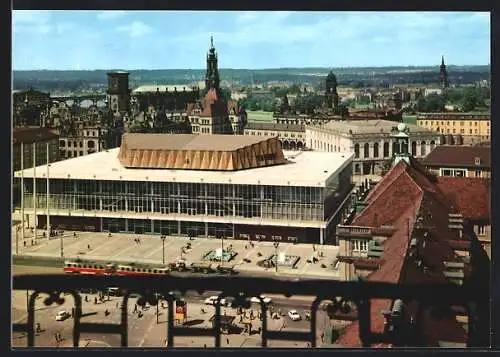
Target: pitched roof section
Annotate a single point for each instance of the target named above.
(407, 193)
(471, 196)
(459, 156)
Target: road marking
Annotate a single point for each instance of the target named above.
(153, 322)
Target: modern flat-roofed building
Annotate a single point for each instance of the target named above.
(198, 185)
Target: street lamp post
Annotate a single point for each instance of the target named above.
(17, 240)
(276, 244)
(222, 248)
(163, 249)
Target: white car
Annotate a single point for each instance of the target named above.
(62, 315)
(256, 299)
(294, 315)
(212, 300)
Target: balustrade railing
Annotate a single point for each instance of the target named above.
(343, 297)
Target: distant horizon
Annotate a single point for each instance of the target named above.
(244, 69)
(87, 40)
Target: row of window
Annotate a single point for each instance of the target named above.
(90, 144)
(447, 122)
(462, 131)
(395, 149)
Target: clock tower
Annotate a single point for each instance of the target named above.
(118, 94)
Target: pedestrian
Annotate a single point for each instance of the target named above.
(135, 308)
(227, 340)
(205, 345)
(88, 246)
(74, 234)
(24, 243)
(59, 337)
(56, 338)
(95, 301)
(86, 298)
(72, 312)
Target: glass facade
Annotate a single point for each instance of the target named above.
(218, 200)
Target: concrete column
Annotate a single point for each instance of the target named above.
(100, 199)
(206, 229)
(234, 204)
(152, 200)
(126, 224)
(178, 228)
(321, 234)
(100, 223)
(126, 196)
(74, 194)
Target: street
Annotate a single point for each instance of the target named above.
(144, 331)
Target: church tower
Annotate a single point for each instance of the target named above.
(212, 79)
(332, 97)
(443, 75)
(118, 93)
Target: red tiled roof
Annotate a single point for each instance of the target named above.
(471, 196)
(407, 191)
(459, 156)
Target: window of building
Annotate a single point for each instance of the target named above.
(475, 123)
(357, 169)
(462, 131)
(81, 153)
(80, 144)
(453, 123)
(366, 151)
(460, 173)
(487, 123)
(386, 149)
(461, 123)
(70, 153)
(375, 150)
(481, 230)
(470, 131)
(454, 130)
(356, 150)
(477, 173)
(359, 245)
(475, 131)
(423, 148)
(447, 131)
(446, 172)
(62, 143)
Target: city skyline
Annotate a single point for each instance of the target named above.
(88, 40)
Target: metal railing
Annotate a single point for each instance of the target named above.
(356, 294)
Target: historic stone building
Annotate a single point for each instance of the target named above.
(213, 114)
(371, 141)
(30, 107)
(291, 136)
(458, 128)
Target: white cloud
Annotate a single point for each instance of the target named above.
(247, 16)
(110, 14)
(136, 29)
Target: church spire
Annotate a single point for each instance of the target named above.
(443, 75)
(212, 79)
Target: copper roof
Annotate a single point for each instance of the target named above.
(459, 156)
(199, 152)
(136, 141)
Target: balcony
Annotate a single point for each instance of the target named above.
(358, 295)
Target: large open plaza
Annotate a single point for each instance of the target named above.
(123, 247)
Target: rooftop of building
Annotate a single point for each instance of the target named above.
(459, 156)
(353, 127)
(153, 88)
(31, 135)
(409, 196)
(275, 126)
(305, 169)
(136, 141)
(456, 116)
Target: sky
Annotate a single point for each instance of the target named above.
(86, 40)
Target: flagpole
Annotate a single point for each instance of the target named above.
(34, 190)
(22, 191)
(48, 193)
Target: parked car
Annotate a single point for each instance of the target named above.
(62, 315)
(213, 299)
(294, 315)
(265, 299)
